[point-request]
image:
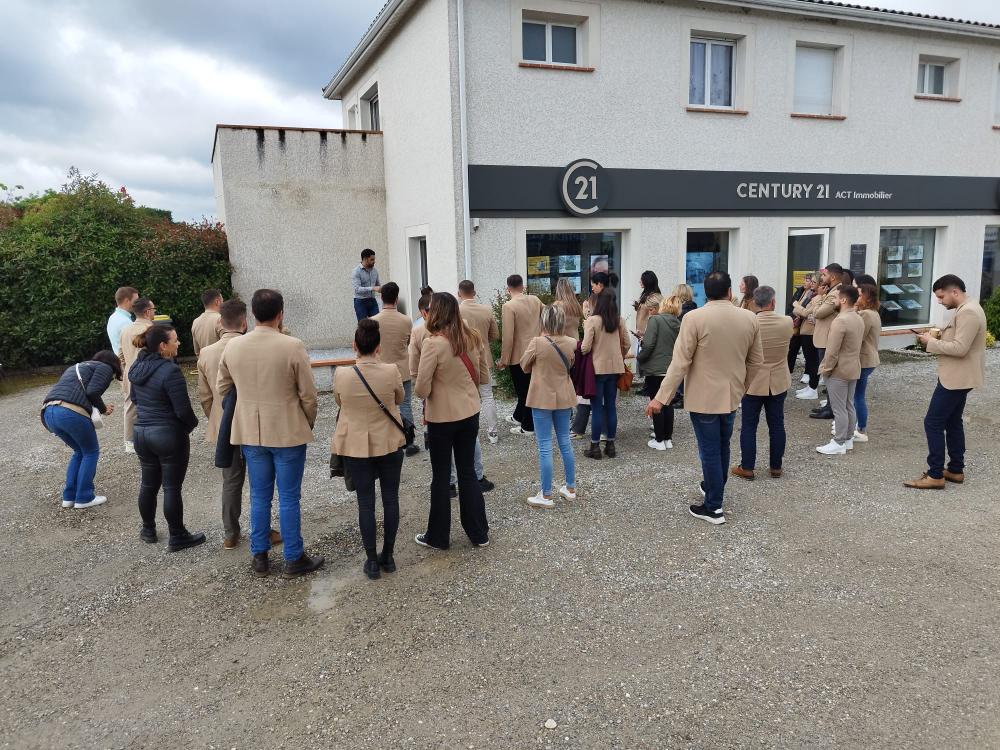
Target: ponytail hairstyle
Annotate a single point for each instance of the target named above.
(367, 337)
(605, 308)
(445, 320)
(150, 339)
(111, 360)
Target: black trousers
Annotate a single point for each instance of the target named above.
(522, 380)
(811, 353)
(794, 345)
(163, 452)
(365, 471)
(458, 439)
(663, 423)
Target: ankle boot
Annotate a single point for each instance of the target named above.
(609, 449)
(183, 540)
(594, 451)
(385, 560)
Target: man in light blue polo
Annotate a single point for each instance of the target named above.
(366, 285)
(121, 317)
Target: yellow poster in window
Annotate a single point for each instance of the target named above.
(799, 278)
(538, 265)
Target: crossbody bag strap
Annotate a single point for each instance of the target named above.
(471, 368)
(562, 356)
(379, 401)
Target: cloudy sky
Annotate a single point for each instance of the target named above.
(132, 89)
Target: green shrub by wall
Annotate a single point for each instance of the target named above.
(63, 255)
(992, 310)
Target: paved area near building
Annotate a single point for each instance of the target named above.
(835, 609)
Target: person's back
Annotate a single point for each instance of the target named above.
(772, 376)
(208, 376)
(844, 347)
(658, 344)
(363, 431)
(521, 324)
(121, 316)
(206, 329)
(445, 382)
(608, 348)
(395, 330)
(160, 393)
(480, 318)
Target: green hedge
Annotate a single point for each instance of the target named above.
(992, 310)
(63, 255)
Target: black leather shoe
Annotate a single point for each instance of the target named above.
(260, 564)
(485, 484)
(185, 540)
(303, 565)
(372, 569)
(387, 563)
(452, 491)
(594, 451)
(412, 450)
(609, 449)
(148, 535)
(822, 414)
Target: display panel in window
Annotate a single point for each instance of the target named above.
(573, 256)
(711, 77)
(549, 42)
(706, 252)
(905, 275)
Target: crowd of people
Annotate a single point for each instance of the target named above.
(567, 360)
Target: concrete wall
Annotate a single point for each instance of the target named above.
(299, 206)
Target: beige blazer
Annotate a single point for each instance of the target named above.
(481, 318)
(798, 310)
(363, 430)
(717, 347)
(521, 318)
(825, 312)
(644, 312)
(843, 348)
(962, 348)
(206, 330)
(771, 377)
(129, 351)
(208, 377)
(394, 330)
(275, 390)
(870, 338)
(444, 381)
(551, 385)
(417, 336)
(609, 349)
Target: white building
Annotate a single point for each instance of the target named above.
(549, 137)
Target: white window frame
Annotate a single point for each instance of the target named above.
(743, 34)
(370, 91)
(585, 16)
(954, 61)
(709, 42)
(843, 44)
(995, 114)
(548, 40)
(375, 112)
(926, 80)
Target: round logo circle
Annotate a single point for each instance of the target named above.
(584, 187)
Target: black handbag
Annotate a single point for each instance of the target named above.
(407, 428)
(338, 468)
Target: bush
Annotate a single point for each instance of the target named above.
(992, 310)
(63, 255)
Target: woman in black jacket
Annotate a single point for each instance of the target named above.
(66, 414)
(164, 421)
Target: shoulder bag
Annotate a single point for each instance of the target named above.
(95, 415)
(408, 430)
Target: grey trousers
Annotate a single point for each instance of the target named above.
(232, 494)
(845, 418)
(406, 408)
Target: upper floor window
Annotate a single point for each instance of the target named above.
(996, 106)
(549, 42)
(930, 78)
(371, 117)
(938, 76)
(815, 71)
(373, 113)
(712, 76)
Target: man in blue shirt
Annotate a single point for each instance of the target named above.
(121, 317)
(366, 285)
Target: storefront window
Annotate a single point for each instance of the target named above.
(990, 252)
(905, 268)
(706, 252)
(574, 256)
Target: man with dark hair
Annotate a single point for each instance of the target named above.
(366, 285)
(832, 276)
(144, 311)
(841, 366)
(481, 318)
(395, 329)
(121, 317)
(273, 421)
(767, 387)
(717, 351)
(206, 329)
(521, 318)
(961, 350)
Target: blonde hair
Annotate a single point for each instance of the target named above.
(671, 304)
(553, 320)
(683, 293)
(567, 299)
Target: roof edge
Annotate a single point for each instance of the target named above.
(296, 128)
(374, 31)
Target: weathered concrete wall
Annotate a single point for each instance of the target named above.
(299, 206)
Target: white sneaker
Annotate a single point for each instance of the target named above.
(520, 431)
(849, 444)
(567, 493)
(129, 446)
(804, 379)
(806, 392)
(68, 503)
(656, 445)
(669, 443)
(510, 418)
(833, 448)
(494, 438)
(860, 437)
(99, 500)
(540, 501)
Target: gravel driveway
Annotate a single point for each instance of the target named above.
(835, 609)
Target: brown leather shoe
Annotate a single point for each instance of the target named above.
(275, 537)
(231, 543)
(776, 473)
(739, 471)
(925, 483)
(954, 476)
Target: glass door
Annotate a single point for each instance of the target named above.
(807, 253)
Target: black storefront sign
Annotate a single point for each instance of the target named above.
(555, 191)
(859, 256)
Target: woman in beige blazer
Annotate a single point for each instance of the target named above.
(604, 336)
(453, 364)
(868, 306)
(551, 398)
(572, 310)
(807, 326)
(371, 440)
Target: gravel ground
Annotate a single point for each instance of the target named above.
(835, 609)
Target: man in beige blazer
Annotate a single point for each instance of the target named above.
(767, 389)
(144, 311)
(717, 349)
(482, 319)
(521, 318)
(826, 310)
(841, 367)
(273, 421)
(395, 331)
(961, 349)
(206, 329)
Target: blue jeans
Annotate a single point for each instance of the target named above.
(604, 408)
(267, 467)
(713, 431)
(365, 307)
(943, 425)
(774, 413)
(545, 420)
(78, 432)
(860, 405)
(406, 408)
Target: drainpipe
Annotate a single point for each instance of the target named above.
(463, 129)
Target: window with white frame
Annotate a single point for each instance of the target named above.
(815, 73)
(373, 113)
(713, 73)
(370, 114)
(547, 41)
(937, 76)
(996, 106)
